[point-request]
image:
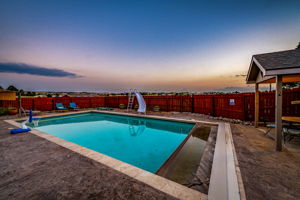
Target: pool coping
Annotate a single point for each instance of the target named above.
(230, 186)
(165, 164)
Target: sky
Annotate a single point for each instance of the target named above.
(116, 45)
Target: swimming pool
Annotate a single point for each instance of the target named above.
(143, 142)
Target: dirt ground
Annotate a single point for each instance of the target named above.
(267, 174)
(33, 168)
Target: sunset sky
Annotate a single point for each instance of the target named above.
(148, 45)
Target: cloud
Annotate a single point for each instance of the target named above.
(21, 68)
(240, 75)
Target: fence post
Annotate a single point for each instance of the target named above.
(53, 106)
(243, 107)
(33, 104)
(213, 106)
(193, 102)
(181, 103)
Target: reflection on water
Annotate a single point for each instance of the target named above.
(136, 127)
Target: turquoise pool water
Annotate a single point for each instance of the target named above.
(144, 143)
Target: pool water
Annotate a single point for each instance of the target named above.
(142, 142)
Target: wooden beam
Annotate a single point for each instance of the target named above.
(278, 113)
(285, 79)
(256, 115)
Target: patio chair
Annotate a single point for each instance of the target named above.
(269, 128)
(290, 133)
(60, 107)
(73, 106)
(272, 126)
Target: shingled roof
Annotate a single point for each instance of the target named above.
(268, 65)
(279, 60)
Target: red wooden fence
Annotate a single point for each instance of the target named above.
(235, 106)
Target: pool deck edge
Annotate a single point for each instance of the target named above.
(225, 182)
(160, 183)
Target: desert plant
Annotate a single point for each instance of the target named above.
(2, 111)
(156, 108)
(122, 106)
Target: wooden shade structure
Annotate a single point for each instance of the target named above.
(7, 95)
(277, 67)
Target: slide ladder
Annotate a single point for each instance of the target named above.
(140, 128)
(140, 99)
(130, 101)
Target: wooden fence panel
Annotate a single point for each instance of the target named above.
(235, 106)
(249, 107)
(229, 106)
(203, 104)
(41, 103)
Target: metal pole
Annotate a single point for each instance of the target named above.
(20, 103)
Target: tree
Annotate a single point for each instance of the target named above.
(298, 47)
(290, 85)
(12, 88)
(49, 95)
(1, 87)
(21, 92)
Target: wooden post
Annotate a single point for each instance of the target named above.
(256, 112)
(278, 113)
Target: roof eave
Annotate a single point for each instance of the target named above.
(259, 66)
(253, 60)
(275, 72)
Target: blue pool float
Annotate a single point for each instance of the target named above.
(19, 130)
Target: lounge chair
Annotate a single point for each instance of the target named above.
(73, 106)
(60, 107)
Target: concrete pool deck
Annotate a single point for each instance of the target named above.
(16, 149)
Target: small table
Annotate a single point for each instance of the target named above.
(295, 102)
(291, 119)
